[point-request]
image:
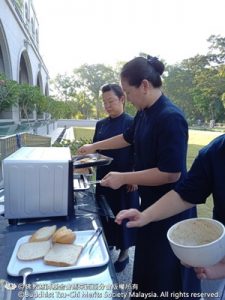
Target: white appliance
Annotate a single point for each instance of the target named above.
(38, 182)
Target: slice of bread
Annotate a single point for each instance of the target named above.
(64, 235)
(63, 255)
(35, 250)
(43, 234)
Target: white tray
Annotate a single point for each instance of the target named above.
(98, 257)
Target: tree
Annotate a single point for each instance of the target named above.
(55, 107)
(208, 90)
(65, 86)
(197, 87)
(91, 78)
(216, 52)
(178, 84)
(8, 92)
(28, 98)
(82, 89)
(83, 106)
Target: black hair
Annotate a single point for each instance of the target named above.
(116, 88)
(140, 68)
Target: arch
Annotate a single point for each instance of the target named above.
(46, 89)
(25, 74)
(40, 81)
(25, 70)
(2, 65)
(5, 54)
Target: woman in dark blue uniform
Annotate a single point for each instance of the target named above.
(159, 135)
(205, 177)
(117, 122)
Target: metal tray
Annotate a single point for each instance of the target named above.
(91, 160)
(80, 183)
(98, 257)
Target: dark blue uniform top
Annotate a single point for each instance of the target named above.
(122, 158)
(160, 135)
(116, 235)
(207, 176)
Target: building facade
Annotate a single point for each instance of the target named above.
(20, 59)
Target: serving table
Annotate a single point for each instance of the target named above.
(88, 283)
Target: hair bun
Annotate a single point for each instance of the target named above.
(156, 64)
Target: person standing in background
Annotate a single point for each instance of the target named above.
(159, 135)
(126, 196)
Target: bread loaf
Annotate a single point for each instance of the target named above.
(64, 235)
(43, 234)
(34, 250)
(63, 255)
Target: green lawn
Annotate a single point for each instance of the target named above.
(197, 139)
(84, 133)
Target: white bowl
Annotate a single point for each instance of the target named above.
(198, 242)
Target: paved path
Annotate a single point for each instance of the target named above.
(68, 135)
(55, 134)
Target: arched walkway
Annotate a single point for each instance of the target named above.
(5, 61)
(39, 81)
(25, 71)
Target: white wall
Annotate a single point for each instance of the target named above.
(16, 34)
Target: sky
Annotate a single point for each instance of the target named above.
(76, 32)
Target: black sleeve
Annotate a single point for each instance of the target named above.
(128, 135)
(197, 185)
